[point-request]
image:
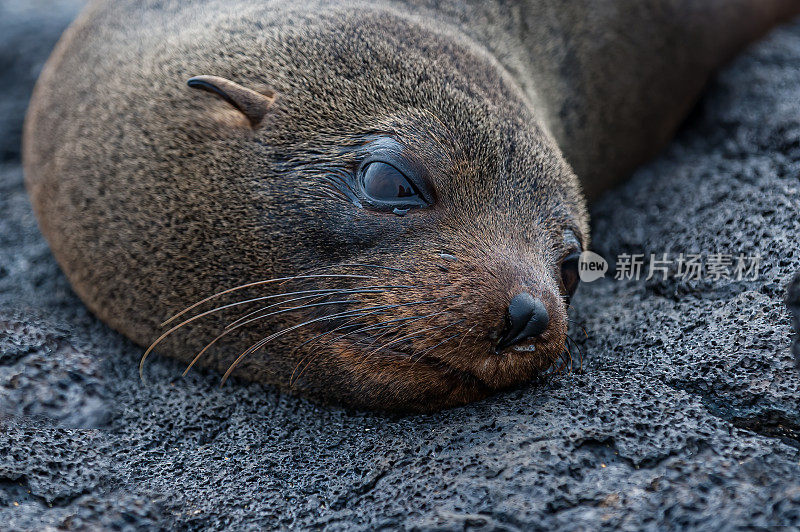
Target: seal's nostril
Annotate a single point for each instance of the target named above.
(527, 317)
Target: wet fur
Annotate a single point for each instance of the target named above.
(154, 196)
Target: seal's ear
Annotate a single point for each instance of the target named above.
(252, 104)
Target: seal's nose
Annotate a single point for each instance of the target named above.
(527, 317)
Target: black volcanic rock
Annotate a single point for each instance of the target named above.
(793, 304)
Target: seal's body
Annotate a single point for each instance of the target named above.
(372, 203)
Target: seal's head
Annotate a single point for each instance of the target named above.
(365, 207)
(432, 221)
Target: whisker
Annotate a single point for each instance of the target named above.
(380, 325)
(361, 316)
(419, 357)
(571, 360)
(417, 334)
(182, 324)
(446, 353)
(394, 326)
(562, 356)
(322, 293)
(314, 297)
(422, 355)
(465, 336)
(579, 324)
(414, 335)
(377, 266)
(563, 365)
(282, 311)
(351, 265)
(395, 329)
(202, 351)
(566, 358)
(580, 351)
(271, 337)
(259, 283)
(375, 339)
(317, 337)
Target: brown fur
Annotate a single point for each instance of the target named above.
(154, 196)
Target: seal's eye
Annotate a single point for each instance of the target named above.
(386, 187)
(569, 273)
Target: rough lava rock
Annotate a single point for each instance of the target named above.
(684, 411)
(28, 31)
(793, 304)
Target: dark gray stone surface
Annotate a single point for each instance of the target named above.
(793, 303)
(28, 31)
(686, 413)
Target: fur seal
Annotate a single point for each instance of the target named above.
(368, 203)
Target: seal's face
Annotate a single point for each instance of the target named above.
(468, 267)
(427, 225)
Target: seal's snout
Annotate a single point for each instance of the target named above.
(527, 318)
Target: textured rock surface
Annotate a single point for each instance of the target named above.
(687, 412)
(793, 303)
